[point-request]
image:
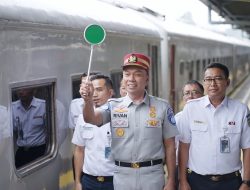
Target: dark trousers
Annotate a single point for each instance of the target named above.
(199, 182)
(24, 155)
(88, 183)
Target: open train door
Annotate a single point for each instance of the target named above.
(172, 97)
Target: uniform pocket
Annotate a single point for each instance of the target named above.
(199, 134)
(199, 128)
(37, 121)
(153, 129)
(233, 130)
(87, 132)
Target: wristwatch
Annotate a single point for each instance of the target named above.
(247, 182)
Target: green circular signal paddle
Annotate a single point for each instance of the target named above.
(94, 34)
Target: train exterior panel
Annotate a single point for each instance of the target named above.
(42, 48)
(187, 49)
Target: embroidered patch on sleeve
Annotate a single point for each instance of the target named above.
(170, 115)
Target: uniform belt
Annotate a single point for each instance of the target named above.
(100, 178)
(138, 164)
(218, 177)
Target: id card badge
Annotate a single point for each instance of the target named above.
(224, 144)
(107, 152)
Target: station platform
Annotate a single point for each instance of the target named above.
(242, 92)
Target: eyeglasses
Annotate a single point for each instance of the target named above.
(216, 80)
(193, 93)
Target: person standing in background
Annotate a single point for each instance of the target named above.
(123, 91)
(93, 144)
(29, 115)
(76, 105)
(191, 90)
(213, 131)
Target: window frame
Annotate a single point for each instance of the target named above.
(52, 146)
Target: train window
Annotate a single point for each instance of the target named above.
(187, 65)
(222, 60)
(154, 67)
(181, 69)
(198, 70)
(204, 64)
(116, 78)
(33, 126)
(191, 71)
(76, 81)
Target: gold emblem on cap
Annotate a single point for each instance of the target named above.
(119, 132)
(132, 59)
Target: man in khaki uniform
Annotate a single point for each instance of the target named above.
(143, 130)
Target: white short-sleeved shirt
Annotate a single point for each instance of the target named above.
(202, 125)
(94, 139)
(30, 123)
(75, 109)
(177, 116)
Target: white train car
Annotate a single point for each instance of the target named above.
(42, 47)
(187, 49)
(191, 48)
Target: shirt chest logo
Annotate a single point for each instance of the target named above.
(231, 123)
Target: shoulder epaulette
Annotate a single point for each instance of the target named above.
(115, 99)
(158, 98)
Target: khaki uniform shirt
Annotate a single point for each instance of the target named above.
(138, 131)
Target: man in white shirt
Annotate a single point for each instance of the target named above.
(191, 90)
(213, 131)
(29, 126)
(96, 164)
(76, 105)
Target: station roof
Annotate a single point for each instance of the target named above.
(235, 12)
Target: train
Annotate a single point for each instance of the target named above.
(42, 47)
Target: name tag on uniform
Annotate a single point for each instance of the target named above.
(119, 120)
(119, 117)
(224, 144)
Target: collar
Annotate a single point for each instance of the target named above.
(104, 106)
(32, 104)
(128, 101)
(208, 103)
